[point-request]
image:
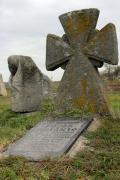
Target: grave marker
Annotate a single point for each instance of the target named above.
(49, 138)
(80, 52)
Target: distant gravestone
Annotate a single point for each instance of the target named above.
(27, 84)
(3, 91)
(49, 138)
(80, 52)
(46, 86)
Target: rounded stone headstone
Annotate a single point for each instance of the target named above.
(27, 84)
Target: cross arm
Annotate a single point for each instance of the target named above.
(103, 47)
(57, 52)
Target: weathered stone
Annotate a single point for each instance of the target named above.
(103, 47)
(26, 83)
(3, 91)
(62, 51)
(81, 85)
(65, 38)
(57, 52)
(93, 61)
(78, 25)
(63, 66)
(49, 138)
(93, 34)
(96, 63)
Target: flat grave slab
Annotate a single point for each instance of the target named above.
(49, 138)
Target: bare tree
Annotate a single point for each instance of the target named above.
(111, 72)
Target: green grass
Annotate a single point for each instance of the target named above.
(13, 125)
(114, 99)
(101, 163)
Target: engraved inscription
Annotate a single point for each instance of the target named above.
(49, 138)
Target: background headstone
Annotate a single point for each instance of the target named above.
(27, 84)
(47, 87)
(3, 91)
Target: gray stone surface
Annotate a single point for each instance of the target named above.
(95, 63)
(103, 47)
(57, 52)
(27, 84)
(3, 91)
(81, 85)
(49, 138)
(79, 25)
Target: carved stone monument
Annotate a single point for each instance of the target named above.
(3, 91)
(80, 52)
(27, 84)
(49, 138)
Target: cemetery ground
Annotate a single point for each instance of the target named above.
(100, 161)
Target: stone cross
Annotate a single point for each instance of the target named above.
(80, 52)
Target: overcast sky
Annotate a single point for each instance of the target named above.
(24, 25)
